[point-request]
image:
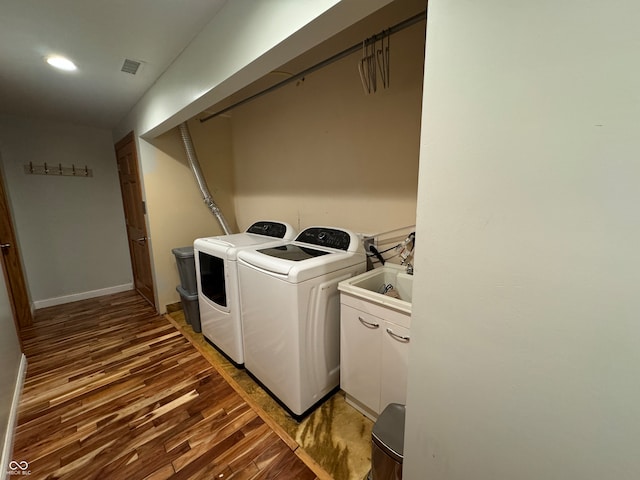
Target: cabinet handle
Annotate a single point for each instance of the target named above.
(368, 324)
(400, 338)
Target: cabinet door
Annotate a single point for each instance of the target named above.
(360, 336)
(395, 363)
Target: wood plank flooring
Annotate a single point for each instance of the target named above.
(114, 391)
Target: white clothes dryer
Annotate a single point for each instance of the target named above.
(217, 280)
(291, 313)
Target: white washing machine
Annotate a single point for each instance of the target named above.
(291, 313)
(217, 279)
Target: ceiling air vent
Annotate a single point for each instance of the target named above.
(130, 66)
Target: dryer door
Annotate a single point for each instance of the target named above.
(212, 278)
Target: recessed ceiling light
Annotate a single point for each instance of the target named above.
(61, 63)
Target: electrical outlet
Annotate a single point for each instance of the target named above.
(366, 241)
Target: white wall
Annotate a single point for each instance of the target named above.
(525, 361)
(71, 230)
(10, 356)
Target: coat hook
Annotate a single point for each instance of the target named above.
(73, 168)
(60, 169)
(46, 169)
(86, 171)
(31, 167)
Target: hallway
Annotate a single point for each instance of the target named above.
(115, 391)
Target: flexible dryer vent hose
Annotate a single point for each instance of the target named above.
(202, 183)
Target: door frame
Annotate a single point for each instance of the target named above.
(130, 138)
(12, 267)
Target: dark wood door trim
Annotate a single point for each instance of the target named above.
(12, 266)
(135, 216)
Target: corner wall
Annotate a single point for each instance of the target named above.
(524, 359)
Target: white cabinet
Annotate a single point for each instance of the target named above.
(374, 356)
(360, 348)
(395, 364)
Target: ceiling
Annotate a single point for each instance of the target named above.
(97, 35)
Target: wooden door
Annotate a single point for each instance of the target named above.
(134, 213)
(12, 266)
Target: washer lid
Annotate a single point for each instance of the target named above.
(258, 233)
(239, 240)
(295, 253)
(301, 269)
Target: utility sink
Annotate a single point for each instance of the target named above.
(370, 285)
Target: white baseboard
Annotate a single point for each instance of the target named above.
(13, 419)
(50, 302)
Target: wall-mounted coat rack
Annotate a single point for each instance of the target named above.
(57, 170)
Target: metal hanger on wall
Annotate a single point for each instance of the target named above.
(375, 58)
(421, 17)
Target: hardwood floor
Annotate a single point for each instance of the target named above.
(114, 391)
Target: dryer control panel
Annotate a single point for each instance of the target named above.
(325, 237)
(270, 229)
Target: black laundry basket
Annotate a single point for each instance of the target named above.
(387, 444)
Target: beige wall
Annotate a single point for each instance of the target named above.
(176, 213)
(214, 150)
(321, 152)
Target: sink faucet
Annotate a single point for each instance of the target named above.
(407, 253)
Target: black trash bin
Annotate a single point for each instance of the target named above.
(186, 268)
(387, 444)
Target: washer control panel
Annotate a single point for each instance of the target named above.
(325, 237)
